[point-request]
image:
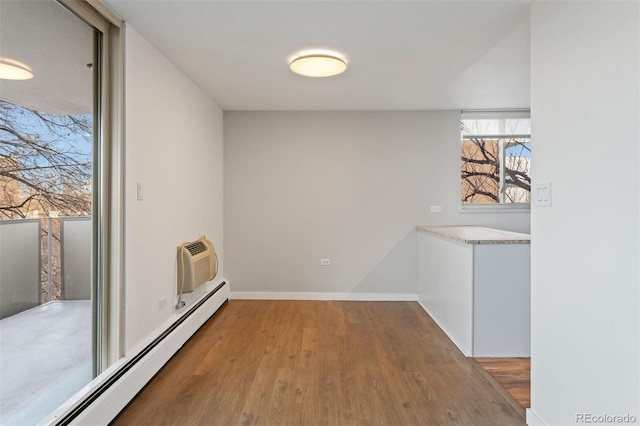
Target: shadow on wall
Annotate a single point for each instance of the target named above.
(396, 273)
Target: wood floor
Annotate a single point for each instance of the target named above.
(513, 374)
(320, 363)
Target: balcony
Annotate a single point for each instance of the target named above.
(45, 311)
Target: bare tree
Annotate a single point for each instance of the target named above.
(45, 162)
(517, 168)
(481, 171)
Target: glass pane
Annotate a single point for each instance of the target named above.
(517, 171)
(46, 172)
(480, 171)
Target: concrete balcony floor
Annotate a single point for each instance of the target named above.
(45, 358)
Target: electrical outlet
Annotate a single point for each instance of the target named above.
(436, 209)
(162, 303)
(325, 262)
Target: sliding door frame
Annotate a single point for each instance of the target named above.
(108, 190)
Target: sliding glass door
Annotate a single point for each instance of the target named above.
(55, 175)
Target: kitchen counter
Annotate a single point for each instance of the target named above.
(475, 282)
(477, 234)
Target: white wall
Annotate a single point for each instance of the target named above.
(174, 147)
(350, 186)
(585, 248)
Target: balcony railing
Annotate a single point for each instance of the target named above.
(44, 260)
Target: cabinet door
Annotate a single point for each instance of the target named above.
(502, 300)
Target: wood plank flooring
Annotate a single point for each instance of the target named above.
(513, 374)
(320, 363)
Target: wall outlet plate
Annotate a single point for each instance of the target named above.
(325, 262)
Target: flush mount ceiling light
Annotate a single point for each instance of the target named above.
(14, 70)
(318, 65)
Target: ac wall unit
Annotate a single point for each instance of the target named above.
(197, 264)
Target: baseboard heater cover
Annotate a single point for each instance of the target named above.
(103, 415)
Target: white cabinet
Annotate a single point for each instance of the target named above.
(478, 288)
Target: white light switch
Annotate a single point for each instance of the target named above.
(542, 194)
(139, 191)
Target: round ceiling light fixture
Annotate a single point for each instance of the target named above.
(318, 65)
(14, 70)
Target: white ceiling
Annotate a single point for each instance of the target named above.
(403, 55)
(56, 46)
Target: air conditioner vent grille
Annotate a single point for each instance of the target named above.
(197, 247)
(201, 270)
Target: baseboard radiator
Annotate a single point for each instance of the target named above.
(110, 397)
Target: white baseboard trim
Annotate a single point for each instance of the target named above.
(277, 295)
(533, 419)
(114, 393)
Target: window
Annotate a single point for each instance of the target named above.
(495, 159)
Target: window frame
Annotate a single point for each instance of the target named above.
(502, 140)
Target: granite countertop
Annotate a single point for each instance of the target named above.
(477, 234)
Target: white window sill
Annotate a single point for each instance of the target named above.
(495, 208)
